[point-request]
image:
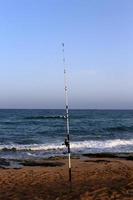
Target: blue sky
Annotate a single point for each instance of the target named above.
(98, 37)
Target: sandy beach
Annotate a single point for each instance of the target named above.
(98, 178)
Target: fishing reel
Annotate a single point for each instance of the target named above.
(66, 142)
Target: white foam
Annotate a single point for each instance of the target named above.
(101, 144)
(79, 145)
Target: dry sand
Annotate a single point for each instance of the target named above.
(95, 178)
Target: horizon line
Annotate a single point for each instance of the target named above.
(64, 108)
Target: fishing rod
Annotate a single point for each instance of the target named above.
(67, 140)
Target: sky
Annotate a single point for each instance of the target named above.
(98, 37)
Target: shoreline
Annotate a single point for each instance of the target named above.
(15, 163)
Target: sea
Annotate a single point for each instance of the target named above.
(41, 133)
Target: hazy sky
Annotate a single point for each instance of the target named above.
(98, 37)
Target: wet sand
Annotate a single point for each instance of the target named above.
(99, 178)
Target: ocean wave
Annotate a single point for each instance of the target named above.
(120, 128)
(75, 146)
(46, 117)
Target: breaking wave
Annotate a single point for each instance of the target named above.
(75, 146)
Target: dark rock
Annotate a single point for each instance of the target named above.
(4, 162)
(42, 163)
